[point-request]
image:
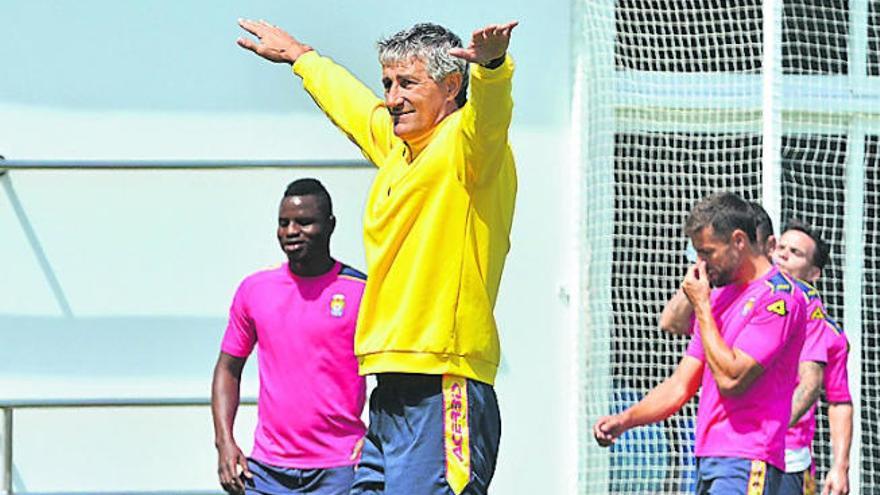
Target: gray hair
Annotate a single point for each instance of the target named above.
(429, 43)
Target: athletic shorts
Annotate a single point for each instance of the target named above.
(730, 475)
(799, 483)
(272, 480)
(429, 435)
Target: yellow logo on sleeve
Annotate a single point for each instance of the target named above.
(778, 307)
(817, 314)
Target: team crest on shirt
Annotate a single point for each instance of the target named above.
(748, 306)
(337, 305)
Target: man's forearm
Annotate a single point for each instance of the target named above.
(224, 410)
(667, 397)
(840, 421)
(720, 358)
(658, 405)
(676, 315)
(491, 110)
(810, 375)
(225, 398)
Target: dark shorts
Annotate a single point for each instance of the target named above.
(731, 475)
(800, 483)
(272, 480)
(429, 435)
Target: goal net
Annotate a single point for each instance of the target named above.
(677, 99)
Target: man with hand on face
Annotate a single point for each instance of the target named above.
(802, 253)
(677, 315)
(301, 317)
(436, 234)
(748, 335)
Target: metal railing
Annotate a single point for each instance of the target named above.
(7, 407)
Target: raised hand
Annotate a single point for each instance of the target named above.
(274, 44)
(487, 44)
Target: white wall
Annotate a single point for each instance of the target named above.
(147, 261)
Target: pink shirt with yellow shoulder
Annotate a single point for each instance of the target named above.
(826, 344)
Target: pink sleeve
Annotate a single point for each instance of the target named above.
(815, 344)
(695, 347)
(769, 328)
(836, 379)
(240, 335)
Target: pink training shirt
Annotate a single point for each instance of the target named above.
(311, 395)
(816, 349)
(764, 319)
(827, 344)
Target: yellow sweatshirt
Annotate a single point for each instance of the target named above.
(436, 227)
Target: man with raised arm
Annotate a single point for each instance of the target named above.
(744, 352)
(436, 234)
(802, 253)
(301, 317)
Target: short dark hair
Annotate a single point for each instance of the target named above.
(763, 222)
(822, 253)
(311, 187)
(724, 212)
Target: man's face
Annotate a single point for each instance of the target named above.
(304, 228)
(794, 255)
(722, 258)
(416, 103)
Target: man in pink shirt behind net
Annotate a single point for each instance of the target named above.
(749, 331)
(803, 253)
(301, 317)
